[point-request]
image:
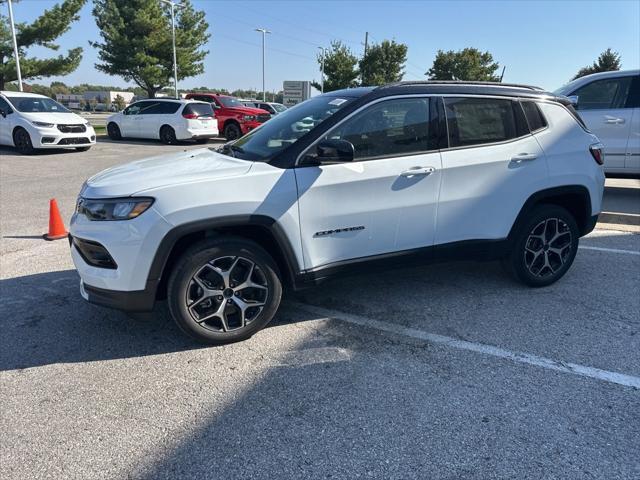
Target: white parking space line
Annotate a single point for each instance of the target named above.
(609, 250)
(560, 366)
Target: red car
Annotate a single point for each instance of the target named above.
(234, 118)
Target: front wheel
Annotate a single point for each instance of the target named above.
(232, 131)
(224, 290)
(114, 131)
(22, 141)
(544, 246)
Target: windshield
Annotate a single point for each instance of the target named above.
(37, 105)
(285, 129)
(278, 107)
(230, 102)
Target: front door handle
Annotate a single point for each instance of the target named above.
(614, 120)
(524, 157)
(415, 171)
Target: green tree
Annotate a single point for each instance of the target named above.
(469, 64)
(383, 63)
(119, 103)
(136, 41)
(607, 61)
(340, 68)
(41, 32)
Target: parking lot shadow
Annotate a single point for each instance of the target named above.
(44, 320)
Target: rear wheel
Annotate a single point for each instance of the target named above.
(114, 131)
(22, 141)
(232, 131)
(544, 246)
(168, 135)
(224, 290)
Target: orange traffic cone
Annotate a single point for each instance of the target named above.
(56, 225)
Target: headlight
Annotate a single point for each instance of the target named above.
(43, 124)
(249, 118)
(113, 208)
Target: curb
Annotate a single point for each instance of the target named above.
(632, 219)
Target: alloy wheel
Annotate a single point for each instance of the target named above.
(227, 293)
(548, 247)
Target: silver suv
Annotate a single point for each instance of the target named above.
(609, 103)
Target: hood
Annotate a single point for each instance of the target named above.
(53, 117)
(163, 170)
(248, 110)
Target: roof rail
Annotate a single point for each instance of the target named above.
(462, 82)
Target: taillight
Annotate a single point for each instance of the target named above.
(597, 152)
(190, 116)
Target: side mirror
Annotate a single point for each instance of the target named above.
(335, 150)
(574, 100)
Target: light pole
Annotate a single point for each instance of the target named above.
(322, 71)
(15, 46)
(173, 33)
(264, 33)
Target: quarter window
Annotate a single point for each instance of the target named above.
(389, 128)
(534, 116)
(604, 94)
(475, 121)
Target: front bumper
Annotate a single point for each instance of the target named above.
(54, 138)
(248, 126)
(132, 244)
(133, 301)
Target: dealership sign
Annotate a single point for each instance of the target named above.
(295, 92)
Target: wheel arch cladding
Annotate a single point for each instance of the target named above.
(574, 198)
(260, 229)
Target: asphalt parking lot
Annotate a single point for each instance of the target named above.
(446, 371)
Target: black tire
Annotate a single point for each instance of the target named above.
(22, 141)
(232, 131)
(114, 131)
(82, 149)
(220, 253)
(544, 246)
(168, 135)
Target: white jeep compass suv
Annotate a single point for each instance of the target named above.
(379, 176)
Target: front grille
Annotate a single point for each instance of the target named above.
(72, 128)
(263, 117)
(74, 141)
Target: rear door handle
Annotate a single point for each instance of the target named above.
(524, 157)
(415, 171)
(614, 120)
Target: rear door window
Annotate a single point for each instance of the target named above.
(633, 99)
(167, 108)
(477, 121)
(606, 94)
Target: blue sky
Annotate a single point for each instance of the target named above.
(541, 42)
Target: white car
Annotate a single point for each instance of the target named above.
(168, 120)
(29, 121)
(609, 103)
(272, 107)
(388, 176)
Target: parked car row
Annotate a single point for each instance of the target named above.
(608, 103)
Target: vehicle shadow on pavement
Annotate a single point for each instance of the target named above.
(44, 320)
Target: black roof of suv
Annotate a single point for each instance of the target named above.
(440, 87)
